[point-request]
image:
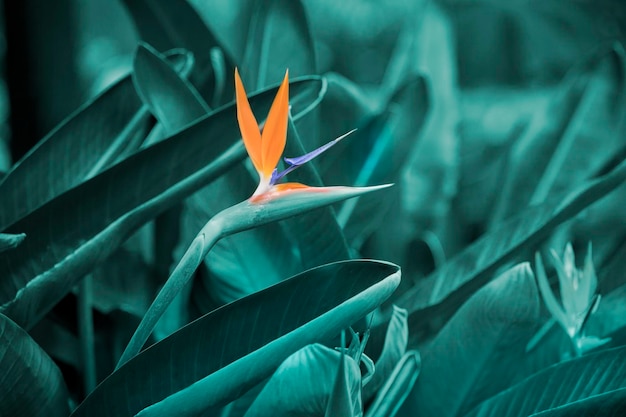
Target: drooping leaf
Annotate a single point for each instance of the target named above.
(393, 350)
(235, 347)
(478, 352)
(562, 385)
(441, 294)
(278, 39)
(71, 238)
(31, 384)
(398, 386)
(304, 382)
(93, 135)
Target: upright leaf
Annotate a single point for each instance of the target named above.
(172, 99)
(233, 348)
(278, 39)
(31, 384)
(583, 130)
(394, 349)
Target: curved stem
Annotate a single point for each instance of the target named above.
(181, 275)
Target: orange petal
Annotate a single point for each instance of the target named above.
(248, 125)
(275, 131)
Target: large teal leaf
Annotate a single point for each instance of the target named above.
(233, 348)
(81, 227)
(31, 384)
(587, 117)
(608, 404)
(478, 352)
(561, 385)
(441, 294)
(93, 136)
(278, 39)
(380, 157)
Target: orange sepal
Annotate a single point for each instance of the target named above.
(248, 125)
(274, 134)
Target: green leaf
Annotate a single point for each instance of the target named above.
(398, 386)
(233, 348)
(381, 156)
(63, 159)
(608, 404)
(170, 98)
(555, 153)
(278, 39)
(304, 383)
(478, 352)
(437, 297)
(393, 350)
(159, 24)
(8, 241)
(31, 384)
(561, 385)
(71, 238)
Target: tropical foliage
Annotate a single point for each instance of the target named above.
(291, 208)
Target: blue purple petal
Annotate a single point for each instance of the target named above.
(301, 160)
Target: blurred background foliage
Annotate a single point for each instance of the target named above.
(478, 96)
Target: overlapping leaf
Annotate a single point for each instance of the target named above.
(441, 294)
(478, 352)
(70, 238)
(563, 385)
(235, 347)
(31, 384)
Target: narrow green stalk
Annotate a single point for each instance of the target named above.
(86, 333)
(181, 275)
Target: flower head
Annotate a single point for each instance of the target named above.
(578, 294)
(265, 148)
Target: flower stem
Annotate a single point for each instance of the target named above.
(181, 275)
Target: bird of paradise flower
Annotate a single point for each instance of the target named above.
(270, 202)
(265, 148)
